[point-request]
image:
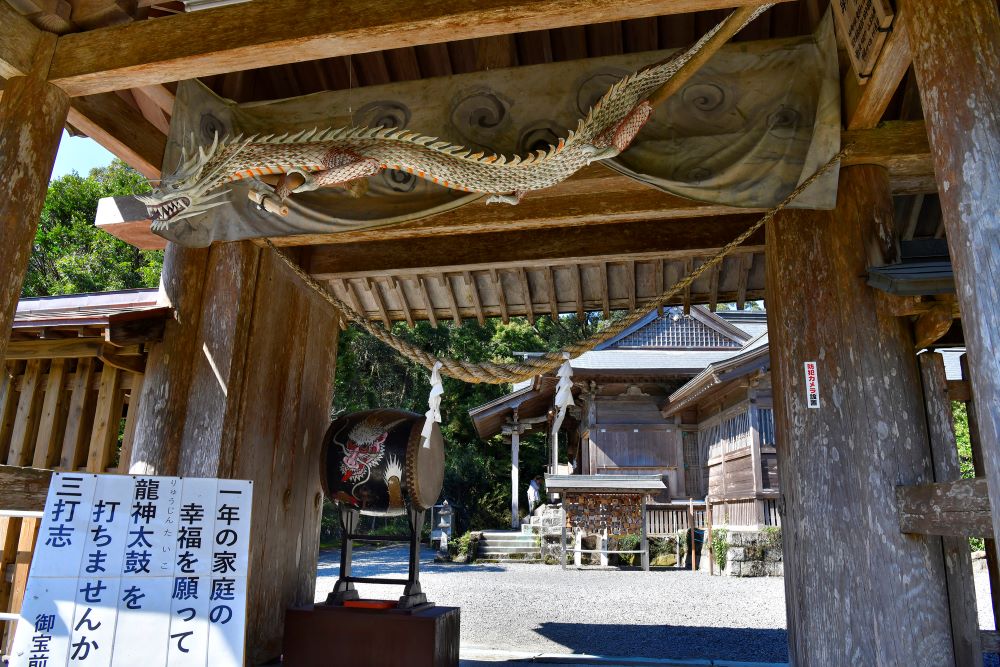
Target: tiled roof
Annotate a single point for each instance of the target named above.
(82, 309)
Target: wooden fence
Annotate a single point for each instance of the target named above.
(67, 414)
(664, 519)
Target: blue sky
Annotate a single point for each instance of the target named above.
(79, 154)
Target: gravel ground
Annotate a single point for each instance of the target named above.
(660, 614)
(667, 614)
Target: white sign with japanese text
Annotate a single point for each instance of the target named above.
(133, 570)
(812, 385)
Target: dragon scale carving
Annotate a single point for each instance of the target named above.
(279, 166)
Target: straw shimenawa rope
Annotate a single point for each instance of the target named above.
(502, 373)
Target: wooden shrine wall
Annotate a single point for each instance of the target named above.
(67, 414)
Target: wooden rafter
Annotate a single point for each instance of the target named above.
(578, 290)
(746, 265)
(428, 304)
(122, 129)
(866, 103)
(473, 290)
(401, 297)
(630, 282)
(602, 284)
(713, 287)
(688, 268)
(529, 306)
(18, 42)
(622, 241)
(501, 295)
(254, 35)
(373, 288)
(550, 287)
(449, 290)
(658, 282)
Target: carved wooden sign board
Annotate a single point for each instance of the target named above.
(133, 570)
(864, 25)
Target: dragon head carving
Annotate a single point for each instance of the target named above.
(188, 190)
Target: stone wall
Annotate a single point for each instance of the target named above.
(620, 513)
(753, 553)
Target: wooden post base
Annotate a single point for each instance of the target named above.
(324, 635)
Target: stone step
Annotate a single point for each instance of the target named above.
(509, 550)
(501, 534)
(530, 539)
(526, 561)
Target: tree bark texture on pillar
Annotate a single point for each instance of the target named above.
(32, 115)
(858, 591)
(956, 60)
(245, 374)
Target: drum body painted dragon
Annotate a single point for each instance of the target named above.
(279, 166)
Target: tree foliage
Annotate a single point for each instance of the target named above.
(71, 254)
(477, 473)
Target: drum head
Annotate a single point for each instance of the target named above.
(425, 466)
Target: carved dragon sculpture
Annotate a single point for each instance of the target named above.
(292, 163)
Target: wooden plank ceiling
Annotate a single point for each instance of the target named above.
(600, 241)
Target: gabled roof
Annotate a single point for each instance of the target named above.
(700, 330)
(754, 357)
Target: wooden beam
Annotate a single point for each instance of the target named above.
(449, 290)
(22, 439)
(18, 42)
(58, 348)
(550, 288)
(746, 264)
(401, 297)
(151, 110)
(48, 444)
(373, 287)
(129, 363)
(602, 285)
(23, 489)
(630, 283)
(289, 31)
(933, 324)
(477, 302)
(501, 296)
(540, 248)
(960, 508)
(713, 286)
(529, 306)
(107, 415)
(956, 67)
(657, 281)
(32, 115)
(426, 297)
(866, 103)
(957, 558)
(123, 130)
(81, 415)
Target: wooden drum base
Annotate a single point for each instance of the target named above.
(324, 635)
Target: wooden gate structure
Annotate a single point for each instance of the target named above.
(240, 385)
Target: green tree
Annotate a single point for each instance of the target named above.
(71, 254)
(477, 473)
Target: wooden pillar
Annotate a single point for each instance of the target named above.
(32, 115)
(956, 59)
(858, 592)
(515, 448)
(252, 352)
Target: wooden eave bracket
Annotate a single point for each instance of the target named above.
(959, 509)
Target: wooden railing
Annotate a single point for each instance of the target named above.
(22, 498)
(67, 414)
(664, 519)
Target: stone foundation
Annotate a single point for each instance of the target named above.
(753, 553)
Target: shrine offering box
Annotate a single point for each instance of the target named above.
(324, 635)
